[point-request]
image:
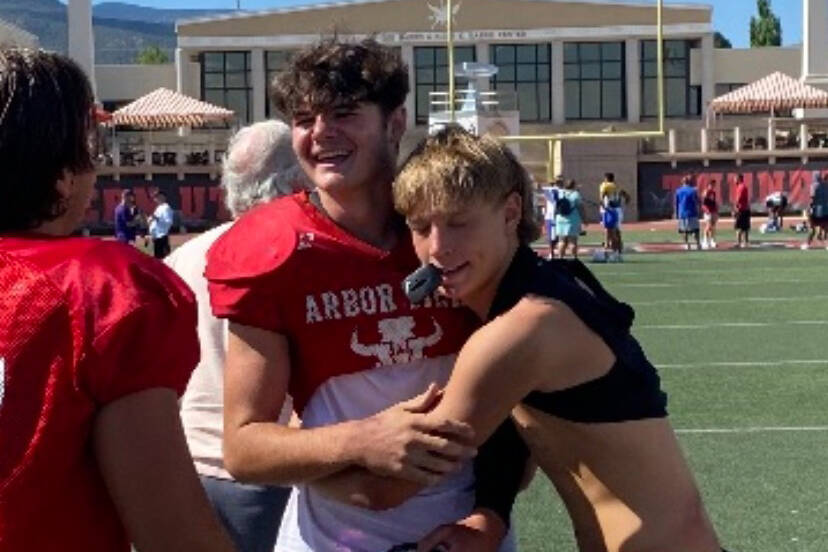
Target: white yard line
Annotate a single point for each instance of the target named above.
(644, 285)
(707, 283)
(608, 274)
(730, 301)
(748, 364)
(730, 325)
(769, 429)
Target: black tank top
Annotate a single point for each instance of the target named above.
(631, 390)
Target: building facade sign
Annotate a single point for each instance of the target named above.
(435, 37)
(657, 184)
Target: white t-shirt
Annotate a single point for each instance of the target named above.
(162, 221)
(551, 193)
(202, 405)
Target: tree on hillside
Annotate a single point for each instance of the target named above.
(721, 41)
(765, 30)
(152, 55)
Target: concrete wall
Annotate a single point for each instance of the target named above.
(587, 161)
(744, 65)
(127, 82)
(414, 15)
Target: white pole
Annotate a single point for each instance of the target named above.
(81, 37)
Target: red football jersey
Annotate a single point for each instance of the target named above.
(287, 268)
(83, 322)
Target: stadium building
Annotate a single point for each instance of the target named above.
(575, 65)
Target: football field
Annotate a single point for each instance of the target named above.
(740, 340)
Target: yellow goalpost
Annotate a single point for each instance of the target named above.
(552, 139)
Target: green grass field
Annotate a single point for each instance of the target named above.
(740, 342)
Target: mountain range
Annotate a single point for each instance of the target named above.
(121, 30)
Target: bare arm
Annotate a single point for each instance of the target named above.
(256, 448)
(495, 369)
(538, 345)
(143, 457)
(491, 375)
(395, 442)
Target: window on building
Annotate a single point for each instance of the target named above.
(225, 81)
(524, 70)
(595, 80)
(695, 106)
(679, 98)
(431, 73)
(276, 61)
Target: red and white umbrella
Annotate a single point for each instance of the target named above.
(776, 92)
(164, 108)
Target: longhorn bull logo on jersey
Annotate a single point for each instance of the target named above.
(398, 343)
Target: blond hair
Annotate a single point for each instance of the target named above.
(454, 168)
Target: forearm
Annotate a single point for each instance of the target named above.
(499, 471)
(143, 458)
(269, 453)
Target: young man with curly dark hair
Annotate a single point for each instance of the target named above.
(96, 342)
(311, 286)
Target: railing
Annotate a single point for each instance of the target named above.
(466, 100)
(776, 137)
(142, 152)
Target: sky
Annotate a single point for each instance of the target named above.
(731, 17)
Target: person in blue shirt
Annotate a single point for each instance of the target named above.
(687, 211)
(127, 218)
(569, 218)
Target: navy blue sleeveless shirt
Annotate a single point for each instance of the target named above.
(631, 390)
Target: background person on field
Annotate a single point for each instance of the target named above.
(551, 194)
(687, 211)
(259, 165)
(741, 213)
(97, 341)
(128, 218)
(160, 224)
(710, 208)
(611, 203)
(569, 219)
(817, 210)
(775, 202)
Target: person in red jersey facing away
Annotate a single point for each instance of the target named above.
(259, 165)
(741, 213)
(556, 352)
(311, 286)
(710, 208)
(96, 342)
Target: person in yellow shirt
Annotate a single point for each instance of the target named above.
(612, 198)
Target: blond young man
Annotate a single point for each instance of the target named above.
(556, 352)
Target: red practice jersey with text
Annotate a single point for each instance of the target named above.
(357, 345)
(83, 322)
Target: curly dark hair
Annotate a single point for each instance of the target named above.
(46, 121)
(332, 72)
